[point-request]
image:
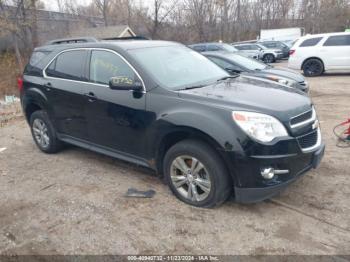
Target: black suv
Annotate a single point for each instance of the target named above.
(164, 106)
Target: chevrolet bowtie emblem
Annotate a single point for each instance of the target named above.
(316, 124)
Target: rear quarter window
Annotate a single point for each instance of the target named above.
(311, 42)
(33, 68)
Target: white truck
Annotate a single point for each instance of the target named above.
(282, 34)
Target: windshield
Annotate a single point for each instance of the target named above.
(246, 62)
(177, 67)
(229, 48)
(261, 46)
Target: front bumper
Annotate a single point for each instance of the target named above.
(297, 164)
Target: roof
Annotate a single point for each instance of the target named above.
(325, 34)
(208, 43)
(104, 32)
(123, 44)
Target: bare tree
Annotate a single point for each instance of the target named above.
(103, 6)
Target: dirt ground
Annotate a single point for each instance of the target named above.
(73, 202)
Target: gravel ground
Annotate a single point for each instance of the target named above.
(73, 202)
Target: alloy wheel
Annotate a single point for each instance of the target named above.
(40, 131)
(190, 178)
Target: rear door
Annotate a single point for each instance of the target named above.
(336, 52)
(65, 77)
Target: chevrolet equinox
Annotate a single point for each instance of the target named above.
(208, 134)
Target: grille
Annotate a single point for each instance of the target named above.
(301, 118)
(308, 140)
(302, 83)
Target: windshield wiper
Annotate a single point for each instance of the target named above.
(227, 77)
(191, 87)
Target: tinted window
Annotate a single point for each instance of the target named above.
(37, 56)
(269, 45)
(32, 68)
(222, 63)
(105, 65)
(338, 40)
(199, 48)
(243, 47)
(311, 42)
(68, 65)
(213, 48)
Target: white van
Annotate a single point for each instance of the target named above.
(316, 54)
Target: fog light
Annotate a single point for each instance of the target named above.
(268, 173)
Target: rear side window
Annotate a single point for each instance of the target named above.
(68, 65)
(311, 42)
(213, 48)
(199, 48)
(338, 40)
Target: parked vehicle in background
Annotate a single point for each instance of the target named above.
(166, 107)
(316, 54)
(276, 45)
(219, 47)
(281, 34)
(236, 63)
(265, 54)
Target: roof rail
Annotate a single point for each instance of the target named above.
(72, 40)
(127, 38)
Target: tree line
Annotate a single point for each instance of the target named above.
(186, 21)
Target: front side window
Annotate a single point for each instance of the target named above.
(311, 42)
(338, 40)
(68, 65)
(177, 67)
(104, 65)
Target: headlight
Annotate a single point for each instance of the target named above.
(261, 127)
(283, 81)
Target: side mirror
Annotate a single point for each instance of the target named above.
(124, 83)
(233, 70)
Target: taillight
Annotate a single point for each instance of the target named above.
(291, 52)
(20, 83)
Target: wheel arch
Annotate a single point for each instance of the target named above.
(312, 57)
(181, 133)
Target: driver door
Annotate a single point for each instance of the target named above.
(116, 118)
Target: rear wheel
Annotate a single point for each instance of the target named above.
(313, 67)
(269, 58)
(196, 174)
(43, 132)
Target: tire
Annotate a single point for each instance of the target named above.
(269, 58)
(214, 170)
(313, 67)
(43, 133)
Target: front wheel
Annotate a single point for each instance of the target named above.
(196, 174)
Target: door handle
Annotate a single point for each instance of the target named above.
(91, 96)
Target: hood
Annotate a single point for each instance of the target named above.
(284, 73)
(252, 94)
